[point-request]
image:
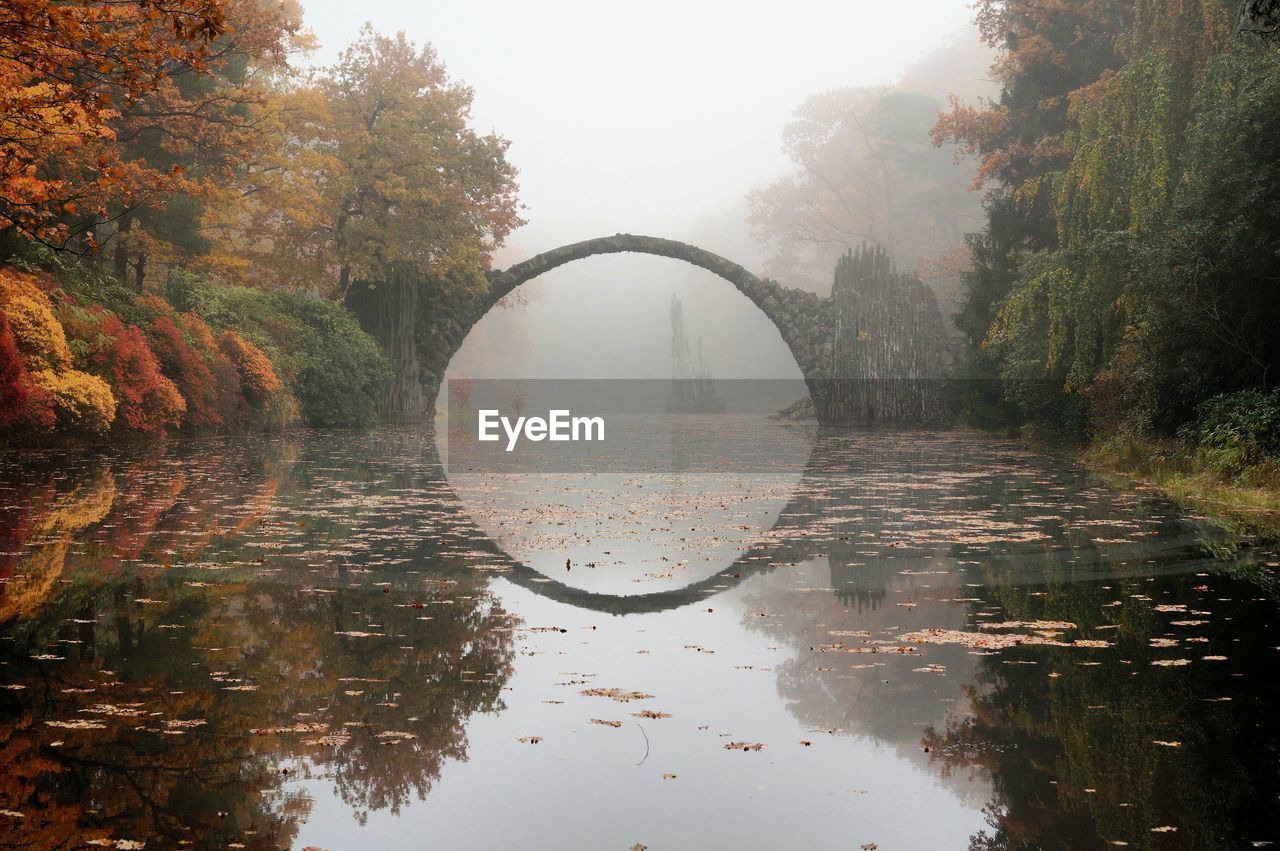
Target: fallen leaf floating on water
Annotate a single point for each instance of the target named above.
(668, 777)
(616, 694)
(180, 724)
(529, 740)
(300, 727)
(744, 746)
(873, 648)
(1165, 828)
(605, 723)
(978, 640)
(1170, 663)
(78, 725)
(1167, 744)
(131, 710)
(649, 713)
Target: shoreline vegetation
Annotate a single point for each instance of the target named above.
(85, 360)
(1120, 304)
(185, 206)
(1246, 505)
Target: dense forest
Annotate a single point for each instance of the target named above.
(182, 210)
(1125, 286)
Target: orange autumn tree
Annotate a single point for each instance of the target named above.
(205, 128)
(67, 69)
(375, 165)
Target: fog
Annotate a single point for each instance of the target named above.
(651, 117)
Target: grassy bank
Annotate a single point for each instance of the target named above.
(1244, 498)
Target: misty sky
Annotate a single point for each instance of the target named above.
(648, 117)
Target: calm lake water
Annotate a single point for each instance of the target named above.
(906, 641)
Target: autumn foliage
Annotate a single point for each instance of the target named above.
(146, 141)
(108, 106)
(146, 400)
(74, 370)
(16, 390)
(189, 370)
(68, 70)
(257, 376)
(52, 391)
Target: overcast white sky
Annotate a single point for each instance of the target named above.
(648, 117)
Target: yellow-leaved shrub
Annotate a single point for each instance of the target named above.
(36, 330)
(82, 401)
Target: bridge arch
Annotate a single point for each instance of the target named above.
(871, 352)
(791, 311)
(420, 356)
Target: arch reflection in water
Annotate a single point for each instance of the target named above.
(665, 538)
(878, 506)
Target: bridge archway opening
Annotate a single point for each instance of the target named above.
(768, 314)
(610, 317)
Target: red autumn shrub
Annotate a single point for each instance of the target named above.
(231, 402)
(23, 404)
(14, 393)
(187, 368)
(146, 400)
(257, 377)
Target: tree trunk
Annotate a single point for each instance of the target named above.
(389, 312)
(122, 252)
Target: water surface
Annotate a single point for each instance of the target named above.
(918, 640)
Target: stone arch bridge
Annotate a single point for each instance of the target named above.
(421, 332)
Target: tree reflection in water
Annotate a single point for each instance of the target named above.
(1078, 746)
(185, 633)
(1085, 754)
